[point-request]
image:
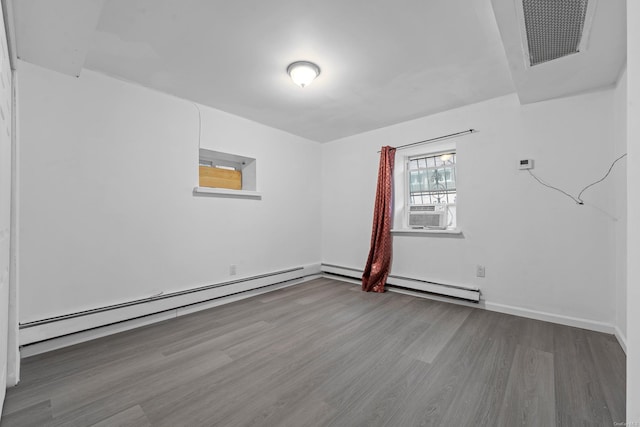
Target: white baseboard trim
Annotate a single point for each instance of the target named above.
(500, 308)
(66, 330)
(622, 339)
(310, 272)
(560, 319)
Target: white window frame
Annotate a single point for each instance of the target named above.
(449, 207)
(401, 188)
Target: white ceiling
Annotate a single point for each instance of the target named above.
(383, 62)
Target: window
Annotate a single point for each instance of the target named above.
(227, 171)
(431, 190)
(226, 175)
(216, 176)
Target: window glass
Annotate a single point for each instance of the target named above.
(432, 180)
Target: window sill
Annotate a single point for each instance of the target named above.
(224, 192)
(422, 232)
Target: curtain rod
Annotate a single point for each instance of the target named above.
(429, 141)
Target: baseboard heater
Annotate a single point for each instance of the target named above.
(187, 301)
(468, 293)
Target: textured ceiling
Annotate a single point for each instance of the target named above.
(383, 62)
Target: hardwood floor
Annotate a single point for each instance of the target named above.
(325, 354)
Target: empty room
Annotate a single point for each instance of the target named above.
(329, 213)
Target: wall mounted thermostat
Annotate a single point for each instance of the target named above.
(525, 164)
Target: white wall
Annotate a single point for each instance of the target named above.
(619, 179)
(107, 213)
(541, 250)
(6, 102)
(633, 212)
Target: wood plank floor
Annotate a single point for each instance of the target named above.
(325, 354)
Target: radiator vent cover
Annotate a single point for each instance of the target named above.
(554, 28)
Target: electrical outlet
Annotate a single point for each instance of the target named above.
(479, 270)
(232, 270)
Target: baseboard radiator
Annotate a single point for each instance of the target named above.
(468, 293)
(162, 306)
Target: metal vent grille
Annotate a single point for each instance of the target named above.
(554, 28)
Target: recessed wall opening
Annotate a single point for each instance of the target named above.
(224, 170)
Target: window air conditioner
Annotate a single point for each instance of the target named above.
(428, 216)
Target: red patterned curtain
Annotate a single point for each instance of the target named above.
(379, 261)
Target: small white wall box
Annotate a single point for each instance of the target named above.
(526, 164)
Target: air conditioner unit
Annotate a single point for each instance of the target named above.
(428, 216)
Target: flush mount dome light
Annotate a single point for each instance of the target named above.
(303, 72)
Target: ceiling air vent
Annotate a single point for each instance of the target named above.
(554, 28)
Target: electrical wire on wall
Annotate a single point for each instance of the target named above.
(578, 199)
(199, 123)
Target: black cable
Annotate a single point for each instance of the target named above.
(554, 188)
(578, 199)
(601, 179)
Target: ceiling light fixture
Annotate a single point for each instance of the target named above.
(303, 72)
